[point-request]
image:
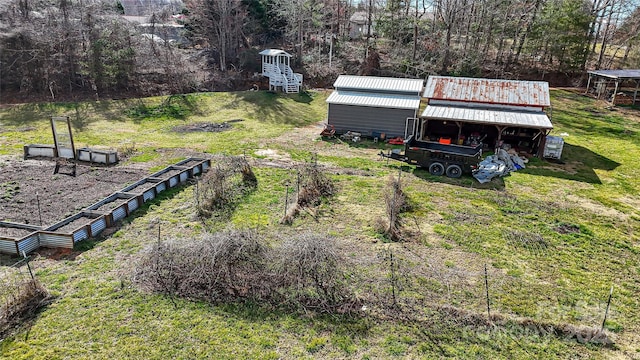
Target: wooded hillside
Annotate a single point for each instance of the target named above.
(90, 49)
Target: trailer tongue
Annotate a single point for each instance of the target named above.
(439, 159)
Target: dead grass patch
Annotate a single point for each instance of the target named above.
(597, 208)
(580, 334)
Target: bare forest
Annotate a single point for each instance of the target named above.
(82, 49)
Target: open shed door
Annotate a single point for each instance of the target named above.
(410, 127)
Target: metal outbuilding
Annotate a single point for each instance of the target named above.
(532, 94)
(495, 110)
(373, 105)
(604, 77)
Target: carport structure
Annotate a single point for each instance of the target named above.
(464, 110)
(605, 77)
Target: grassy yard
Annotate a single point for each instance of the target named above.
(554, 238)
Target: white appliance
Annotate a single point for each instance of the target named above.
(553, 147)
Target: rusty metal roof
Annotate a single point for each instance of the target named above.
(617, 74)
(391, 101)
(488, 91)
(537, 120)
(378, 84)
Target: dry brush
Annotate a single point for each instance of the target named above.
(305, 271)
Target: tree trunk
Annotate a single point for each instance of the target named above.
(595, 23)
(415, 34)
(369, 19)
(525, 33)
(468, 27)
(447, 52)
(603, 45)
(489, 33)
(502, 35)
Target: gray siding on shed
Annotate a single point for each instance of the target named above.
(369, 119)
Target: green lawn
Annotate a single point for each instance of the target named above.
(148, 124)
(554, 237)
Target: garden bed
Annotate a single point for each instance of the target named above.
(14, 233)
(110, 205)
(75, 224)
(58, 195)
(142, 187)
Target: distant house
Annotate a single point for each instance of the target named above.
(149, 7)
(359, 24)
(373, 105)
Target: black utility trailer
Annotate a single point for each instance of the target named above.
(439, 159)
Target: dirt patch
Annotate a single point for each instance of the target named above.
(568, 229)
(14, 233)
(570, 168)
(75, 224)
(628, 200)
(110, 205)
(142, 187)
(53, 197)
(273, 155)
(597, 208)
(282, 160)
(206, 127)
(273, 158)
(169, 174)
(190, 163)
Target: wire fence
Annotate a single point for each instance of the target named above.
(474, 295)
(13, 281)
(20, 295)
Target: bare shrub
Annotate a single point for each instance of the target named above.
(396, 202)
(311, 270)
(306, 272)
(313, 184)
(20, 298)
(227, 180)
(223, 266)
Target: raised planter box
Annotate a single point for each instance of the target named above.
(97, 156)
(37, 150)
(100, 215)
(80, 226)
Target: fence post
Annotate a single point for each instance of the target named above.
(286, 199)
(606, 312)
(39, 211)
(26, 259)
(486, 285)
(393, 277)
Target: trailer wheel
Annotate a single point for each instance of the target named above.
(454, 171)
(436, 169)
